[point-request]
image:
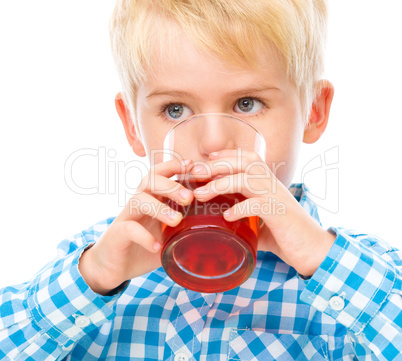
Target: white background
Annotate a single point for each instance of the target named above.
(57, 88)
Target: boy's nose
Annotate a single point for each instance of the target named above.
(214, 135)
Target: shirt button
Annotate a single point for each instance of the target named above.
(181, 356)
(337, 303)
(82, 321)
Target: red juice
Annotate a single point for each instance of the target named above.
(206, 253)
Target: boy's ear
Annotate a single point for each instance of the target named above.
(129, 128)
(319, 114)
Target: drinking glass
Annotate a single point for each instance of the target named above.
(205, 252)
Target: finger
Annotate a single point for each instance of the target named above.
(145, 204)
(229, 165)
(165, 169)
(247, 185)
(162, 186)
(172, 167)
(224, 153)
(263, 207)
(136, 233)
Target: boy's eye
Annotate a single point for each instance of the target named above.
(178, 111)
(248, 105)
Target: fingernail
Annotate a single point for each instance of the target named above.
(185, 162)
(227, 213)
(201, 190)
(197, 169)
(156, 246)
(185, 193)
(172, 214)
(213, 154)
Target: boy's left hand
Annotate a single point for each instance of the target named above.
(288, 230)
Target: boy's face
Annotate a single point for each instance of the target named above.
(193, 82)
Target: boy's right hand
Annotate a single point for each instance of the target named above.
(130, 246)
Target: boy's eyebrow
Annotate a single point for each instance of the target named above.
(253, 90)
(163, 92)
(181, 93)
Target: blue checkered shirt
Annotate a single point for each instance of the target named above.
(350, 309)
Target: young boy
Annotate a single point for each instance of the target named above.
(315, 294)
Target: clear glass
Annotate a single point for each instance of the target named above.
(205, 252)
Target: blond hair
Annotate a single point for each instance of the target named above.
(233, 30)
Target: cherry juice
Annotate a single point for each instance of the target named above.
(206, 253)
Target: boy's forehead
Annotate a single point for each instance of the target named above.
(179, 62)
